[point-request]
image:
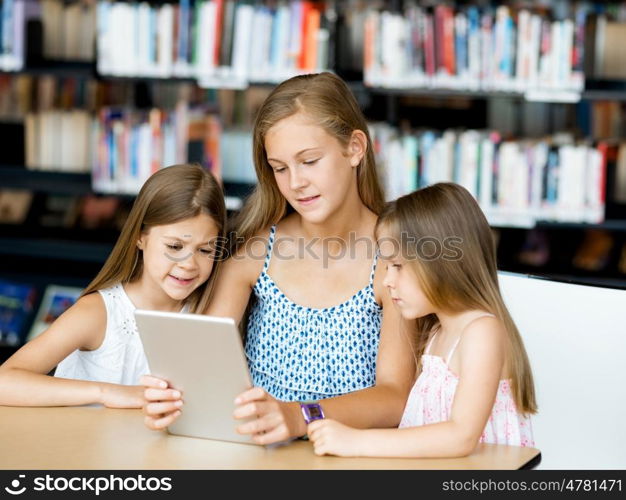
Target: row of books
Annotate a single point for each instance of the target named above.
(517, 183)
(222, 43)
(17, 307)
(131, 145)
(69, 29)
(14, 15)
(474, 48)
(58, 140)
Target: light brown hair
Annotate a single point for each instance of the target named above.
(461, 280)
(327, 100)
(170, 195)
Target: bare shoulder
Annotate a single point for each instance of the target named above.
(91, 306)
(484, 331)
(90, 310)
(247, 261)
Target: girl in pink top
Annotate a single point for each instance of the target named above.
(475, 383)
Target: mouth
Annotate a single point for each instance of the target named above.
(308, 200)
(181, 281)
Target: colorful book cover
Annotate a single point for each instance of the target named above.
(17, 301)
(56, 300)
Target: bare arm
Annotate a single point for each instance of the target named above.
(234, 286)
(482, 356)
(23, 379)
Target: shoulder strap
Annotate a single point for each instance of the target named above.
(430, 343)
(270, 244)
(373, 271)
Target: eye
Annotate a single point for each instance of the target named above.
(206, 251)
(311, 162)
(279, 170)
(397, 266)
(175, 248)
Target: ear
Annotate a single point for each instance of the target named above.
(141, 242)
(357, 147)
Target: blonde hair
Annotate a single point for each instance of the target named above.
(326, 99)
(465, 280)
(170, 195)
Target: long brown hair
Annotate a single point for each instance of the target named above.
(170, 195)
(327, 100)
(461, 273)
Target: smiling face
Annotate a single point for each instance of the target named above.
(178, 257)
(314, 173)
(401, 280)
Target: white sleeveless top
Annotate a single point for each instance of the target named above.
(121, 358)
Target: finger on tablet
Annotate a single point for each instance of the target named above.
(162, 395)
(250, 410)
(152, 381)
(265, 424)
(158, 408)
(253, 394)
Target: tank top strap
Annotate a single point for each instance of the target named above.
(373, 270)
(456, 343)
(270, 244)
(430, 343)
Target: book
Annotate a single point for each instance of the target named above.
(613, 62)
(56, 300)
(14, 205)
(17, 301)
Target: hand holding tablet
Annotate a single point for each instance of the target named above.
(201, 357)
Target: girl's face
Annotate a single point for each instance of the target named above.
(401, 281)
(178, 257)
(312, 170)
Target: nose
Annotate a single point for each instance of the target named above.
(388, 279)
(296, 179)
(189, 262)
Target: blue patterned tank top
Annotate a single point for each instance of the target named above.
(299, 353)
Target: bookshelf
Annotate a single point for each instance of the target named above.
(403, 96)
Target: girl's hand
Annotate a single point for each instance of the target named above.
(121, 396)
(329, 437)
(162, 403)
(272, 421)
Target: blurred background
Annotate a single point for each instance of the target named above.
(521, 102)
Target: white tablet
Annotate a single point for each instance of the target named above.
(203, 357)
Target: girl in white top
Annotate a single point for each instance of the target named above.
(165, 259)
(475, 383)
